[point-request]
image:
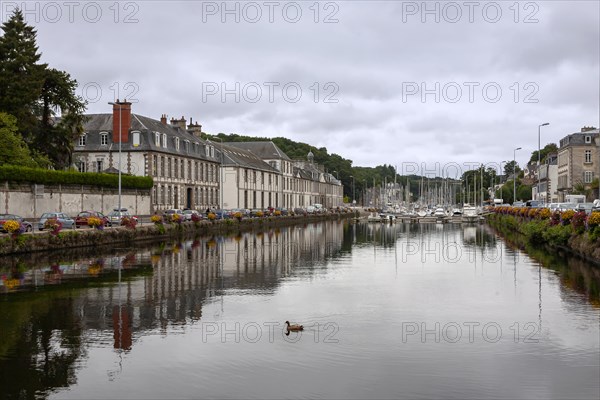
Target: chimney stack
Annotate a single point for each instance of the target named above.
(179, 123)
(163, 119)
(121, 121)
(195, 129)
(588, 128)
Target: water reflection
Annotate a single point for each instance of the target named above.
(67, 311)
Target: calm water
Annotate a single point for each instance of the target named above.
(422, 311)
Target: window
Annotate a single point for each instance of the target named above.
(136, 138)
(169, 170)
(99, 165)
(82, 140)
(176, 143)
(157, 139)
(162, 168)
(588, 176)
(182, 169)
(164, 140)
(155, 195)
(588, 156)
(104, 139)
(588, 139)
(186, 144)
(81, 166)
(155, 165)
(175, 168)
(212, 151)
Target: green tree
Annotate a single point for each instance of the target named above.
(21, 77)
(49, 113)
(13, 149)
(510, 166)
(548, 149)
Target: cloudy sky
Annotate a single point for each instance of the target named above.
(396, 82)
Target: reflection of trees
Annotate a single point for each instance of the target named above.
(43, 347)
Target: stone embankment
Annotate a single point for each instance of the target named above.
(71, 238)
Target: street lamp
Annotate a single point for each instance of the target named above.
(221, 176)
(118, 103)
(351, 176)
(539, 158)
(515, 174)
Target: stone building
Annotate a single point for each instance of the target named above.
(578, 161)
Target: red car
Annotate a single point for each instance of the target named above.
(82, 218)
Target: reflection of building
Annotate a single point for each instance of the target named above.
(577, 161)
(548, 177)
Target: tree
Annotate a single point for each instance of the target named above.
(21, 77)
(508, 168)
(548, 149)
(49, 115)
(13, 150)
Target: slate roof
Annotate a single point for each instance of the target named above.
(148, 127)
(578, 138)
(236, 156)
(265, 150)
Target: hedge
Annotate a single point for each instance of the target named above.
(12, 173)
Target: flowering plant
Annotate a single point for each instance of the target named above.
(13, 227)
(156, 219)
(212, 216)
(53, 225)
(578, 220)
(176, 218)
(196, 217)
(95, 222)
(237, 215)
(566, 216)
(594, 219)
(128, 222)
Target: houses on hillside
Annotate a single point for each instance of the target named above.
(189, 171)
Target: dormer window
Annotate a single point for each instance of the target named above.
(176, 143)
(82, 140)
(157, 139)
(136, 138)
(104, 139)
(212, 151)
(186, 144)
(164, 140)
(588, 139)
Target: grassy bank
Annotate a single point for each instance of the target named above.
(570, 231)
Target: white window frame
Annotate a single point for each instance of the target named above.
(82, 139)
(588, 176)
(164, 140)
(588, 139)
(157, 139)
(136, 138)
(588, 157)
(177, 143)
(103, 138)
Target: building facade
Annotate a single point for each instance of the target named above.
(184, 167)
(578, 161)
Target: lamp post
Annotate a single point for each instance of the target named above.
(221, 175)
(351, 176)
(539, 157)
(515, 174)
(118, 103)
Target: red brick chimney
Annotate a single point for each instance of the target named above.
(122, 120)
(163, 119)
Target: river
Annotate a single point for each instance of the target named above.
(389, 311)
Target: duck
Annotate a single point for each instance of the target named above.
(294, 327)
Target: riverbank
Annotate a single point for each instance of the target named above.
(27, 243)
(566, 232)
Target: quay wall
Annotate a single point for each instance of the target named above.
(31, 201)
(72, 238)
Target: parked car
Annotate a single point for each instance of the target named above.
(187, 214)
(11, 217)
(82, 218)
(115, 216)
(64, 219)
(168, 214)
(587, 207)
(534, 204)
